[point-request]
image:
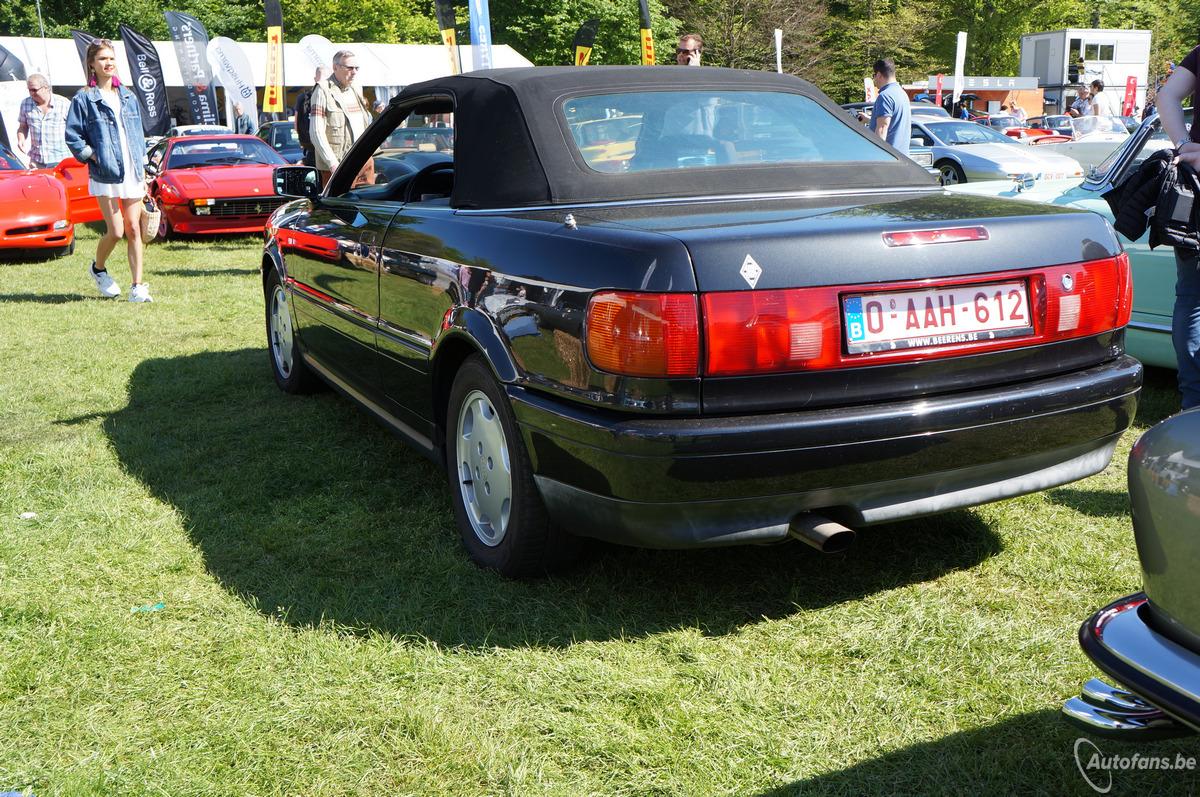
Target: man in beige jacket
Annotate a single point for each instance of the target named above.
(339, 114)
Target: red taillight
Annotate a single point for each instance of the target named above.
(1125, 280)
(763, 331)
(644, 334)
(1087, 298)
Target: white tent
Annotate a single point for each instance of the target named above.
(382, 64)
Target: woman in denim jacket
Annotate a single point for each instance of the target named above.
(114, 153)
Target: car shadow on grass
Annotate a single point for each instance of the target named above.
(1093, 503)
(205, 272)
(313, 513)
(48, 298)
(1028, 754)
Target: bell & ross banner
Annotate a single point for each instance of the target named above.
(146, 75)
(191, 45)
(83, 40)
(273, 90)
(585, 38)
(647, 35)
(445, 22)
(317, 50)
(481, 33)
(11, 67)
(1130, 96)
(232, 66)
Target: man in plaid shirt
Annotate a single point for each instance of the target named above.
(41, 125)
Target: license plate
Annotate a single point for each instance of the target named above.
(936, 316)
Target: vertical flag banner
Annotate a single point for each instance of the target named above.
(868, 90)
(647, 34)
(779, 50)
(937, 98)
(481, 34)
(146, 75)
(11, 67)
(317, 50)
(1130, 96)
(83, 40)
(273, 90)
(960, 60)
(445, 22)
(191, 46)
(232, 66)
(585, 38)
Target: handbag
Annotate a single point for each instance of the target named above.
(151, 218)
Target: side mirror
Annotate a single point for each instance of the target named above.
(151, 170)
(297, 181)
(915, 142)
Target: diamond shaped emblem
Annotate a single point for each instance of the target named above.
(751, 271)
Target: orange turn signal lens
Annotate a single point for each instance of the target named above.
(644, 334)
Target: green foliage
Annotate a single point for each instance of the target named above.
(543, 32)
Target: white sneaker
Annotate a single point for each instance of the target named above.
(107, 286)
(140, 293)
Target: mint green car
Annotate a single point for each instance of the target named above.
(1149, 333)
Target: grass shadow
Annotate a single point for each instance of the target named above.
(1028, 754)
(1093, 503)
(313, 513)
(205, 272)
(48, 298)
(1160, 397)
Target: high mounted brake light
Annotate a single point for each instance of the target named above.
(945, 236)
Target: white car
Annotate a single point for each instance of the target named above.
(1094, 139)
(967, 152)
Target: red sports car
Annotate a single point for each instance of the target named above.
(34, 211)
(214, 184)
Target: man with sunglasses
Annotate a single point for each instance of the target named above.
(339, 114)
(687, 53)
(42, 124)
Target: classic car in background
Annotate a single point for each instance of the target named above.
(1093, 138)
(213, 184)
(1149, 642)
(967, 152)
(630, 357)
(1149, 333)
(34, 212)
(282, 137)
(1012, 127)
(419, 139)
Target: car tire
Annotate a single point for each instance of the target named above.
(499, 511)
(164, 228)
(69, 249)
(952, 173)
(291, 372)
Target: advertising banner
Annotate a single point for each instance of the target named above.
(779, 50)
(191, 46)
(146, 77)
(960, 60)
(1130, 96)
(11, 67)
(318, 51)
(83, 40)
(273, 90)
(481, 34)
(445, 22)
(647, 34)
(229, 61)
(937, 97)
(585, 38)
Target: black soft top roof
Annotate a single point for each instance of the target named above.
(512, 146)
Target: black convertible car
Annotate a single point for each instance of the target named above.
(744, 318)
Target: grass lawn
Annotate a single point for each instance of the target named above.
(322, 633)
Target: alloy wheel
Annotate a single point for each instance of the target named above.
(483, 467)
(281, 332)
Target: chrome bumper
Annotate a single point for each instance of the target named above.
(1163, 679)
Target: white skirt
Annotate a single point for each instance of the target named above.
(131, 188)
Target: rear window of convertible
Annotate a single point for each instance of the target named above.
(655, 130)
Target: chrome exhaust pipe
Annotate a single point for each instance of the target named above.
(826, 535)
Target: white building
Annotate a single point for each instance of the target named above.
(1063, 59)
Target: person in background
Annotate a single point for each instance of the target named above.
(1185, 320)
(41, 125)
(339, 114)
(241, 120)
(104, 130)
(1020, 114)
(891, 117)
(1083, 102)
(689, 49)
(1102, 104)
(303, 117)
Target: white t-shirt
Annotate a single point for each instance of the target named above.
(1102, 105)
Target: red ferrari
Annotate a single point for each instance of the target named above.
(35, 208)
(214, 184)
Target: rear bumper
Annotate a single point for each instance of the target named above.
(1160, 672)
(690, 482)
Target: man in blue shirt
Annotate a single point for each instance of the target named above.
(891, 118)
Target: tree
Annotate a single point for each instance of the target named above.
(740, 33)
